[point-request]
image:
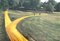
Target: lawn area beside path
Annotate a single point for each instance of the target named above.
(3, 35)
(45, 27)
(41, 28)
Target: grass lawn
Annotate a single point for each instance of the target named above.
(3, 35)
(41, 28)
(38, 28)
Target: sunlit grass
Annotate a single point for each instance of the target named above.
(42, 28)
(45, 27)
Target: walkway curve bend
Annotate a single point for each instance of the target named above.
(10, 26)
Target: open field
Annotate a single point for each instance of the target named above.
(3, 35)
(39, 28)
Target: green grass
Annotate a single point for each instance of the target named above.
(17, 14)
(3, 35)
(1, 11)
(41, 28)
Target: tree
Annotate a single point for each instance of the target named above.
(45, 4)
(0, 4)
(57, 7)
(13, 4)
(53, 2)
(4, 4)
(30, 4)
(34, 3)
(50, 7)
(27, 4)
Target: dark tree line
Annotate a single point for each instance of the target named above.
(50, 6)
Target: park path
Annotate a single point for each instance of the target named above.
(11, 30)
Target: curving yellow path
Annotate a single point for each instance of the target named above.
(11, 30)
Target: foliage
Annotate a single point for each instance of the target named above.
(4, 4)
(50, 7)
(57, 7)
(53, 2)
(29, 4)
(13, 4)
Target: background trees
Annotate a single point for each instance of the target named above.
(57, 7)
(4, 4)
(13, 4)
(50, 6)
(53, 2)
(31, 4)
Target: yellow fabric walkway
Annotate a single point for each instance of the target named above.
(11, 30)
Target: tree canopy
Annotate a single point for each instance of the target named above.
(57, 7)
(51, 5)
